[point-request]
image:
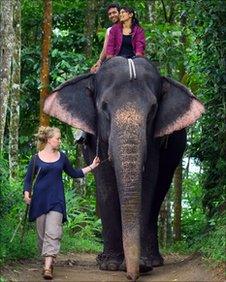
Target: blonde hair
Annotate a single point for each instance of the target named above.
(44, 133)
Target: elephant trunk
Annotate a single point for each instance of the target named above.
(128, 156)
(130, 198)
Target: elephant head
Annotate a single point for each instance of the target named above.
(126, 104)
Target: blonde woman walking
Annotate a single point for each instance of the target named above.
(47, 204)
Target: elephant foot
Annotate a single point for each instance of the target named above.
(115, 262)
(157, 260)
(144, 266)
(110, 262)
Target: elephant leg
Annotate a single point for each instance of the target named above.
(150, 177)
(170, 157)
(163, 185)
(109, 209)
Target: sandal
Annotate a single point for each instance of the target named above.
(48, 273)
(51, 268)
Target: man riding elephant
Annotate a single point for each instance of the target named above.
(113, 15)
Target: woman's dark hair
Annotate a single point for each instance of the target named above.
(131, 10)
(113, 5)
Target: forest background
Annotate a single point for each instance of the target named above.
(185, 40)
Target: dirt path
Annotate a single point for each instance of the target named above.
(82, 267)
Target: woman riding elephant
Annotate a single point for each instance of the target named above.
(126, 38)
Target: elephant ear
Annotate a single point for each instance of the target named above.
(178, 108)
(72, 102)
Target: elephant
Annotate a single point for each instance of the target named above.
(136, 121)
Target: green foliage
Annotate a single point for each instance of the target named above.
(9, 191)
(169, 51)
(209, 241)
(212, 242)
(79, 243)
(15, 250)
(81, 215)
(4, 183)
(180, 247)
(81, 207)
(210, 147)
(67, 59)
(193, 216)
(12, 212)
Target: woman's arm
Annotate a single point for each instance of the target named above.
(28, 176)
(140, 42)
(78, 173)
(91, 167)
(28, 181)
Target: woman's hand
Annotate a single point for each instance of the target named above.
(27, 198)
(92, 166)
(95, 162)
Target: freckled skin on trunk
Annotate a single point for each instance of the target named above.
(127, 150)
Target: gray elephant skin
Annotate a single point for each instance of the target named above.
(136, 120)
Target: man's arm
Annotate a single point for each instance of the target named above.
(102, 56)
(103, 52)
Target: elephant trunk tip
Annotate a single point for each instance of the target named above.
(132, 276)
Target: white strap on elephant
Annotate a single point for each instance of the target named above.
(132, 70)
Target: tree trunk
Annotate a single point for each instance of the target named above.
(90, 26)
(168, 10)
(178, 173)
(168, 219)
(187, 167)
(15, 95)
(177, 202)
(6, 58)
(183, 41)
(163, 216)
(151, 10)
(46, 45)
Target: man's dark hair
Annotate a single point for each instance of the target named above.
(113, 5)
